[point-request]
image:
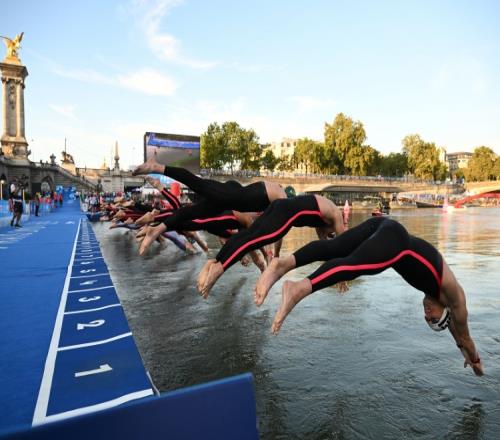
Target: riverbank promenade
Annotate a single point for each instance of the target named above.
(67, 354)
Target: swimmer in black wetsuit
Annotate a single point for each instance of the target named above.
(368, 249)
(216, 197)
(274, 223)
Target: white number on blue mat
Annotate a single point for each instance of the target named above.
(87, 270)
(96, 323)
(86, 283)
(92, 298)
(102, 369)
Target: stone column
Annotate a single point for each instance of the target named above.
(5, 103)
(19, 115)
(13, 140)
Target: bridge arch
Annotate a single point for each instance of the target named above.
(487, 195)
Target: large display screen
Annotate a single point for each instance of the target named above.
(177, 150)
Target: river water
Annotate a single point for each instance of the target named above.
(343, 366)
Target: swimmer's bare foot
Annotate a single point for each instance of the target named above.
(276, 269)
(129, 221)
(128, 204)
(154, 182)
(120, 215)
(116, 225)
(150, 166)
(260, 263)
(141, 233)
(190, 248)
(203, 274)
(214, 272)
(245, 261)
(291, 293)
(146, 218)
(268, 252)
(151, 235)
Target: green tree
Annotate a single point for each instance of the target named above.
(319, 163)
(229, 144)
(481, 165)
(423, 158)
(212, 147)
(304, 153)
(285, 163)
(361, 160)
(269, 161)
(249, 150)
(341, 137)
(496, 168)
(394, 164)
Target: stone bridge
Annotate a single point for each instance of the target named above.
(384, 187)
(39, 176)
(483, 187)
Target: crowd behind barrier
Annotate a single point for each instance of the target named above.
(46, 206)
(335, 177)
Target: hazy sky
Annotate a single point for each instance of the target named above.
(106, 70)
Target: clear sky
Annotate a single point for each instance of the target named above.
(106, 70)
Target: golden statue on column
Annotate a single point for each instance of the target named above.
(13, 47)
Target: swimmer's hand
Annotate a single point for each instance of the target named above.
(342, 287)
(475, 364)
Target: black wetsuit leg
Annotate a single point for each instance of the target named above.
(226, 195)
(173, 200)
(273, 224)
(141, 208)
(201, 209)
(341, 246)
(371, 248)
(220, 222)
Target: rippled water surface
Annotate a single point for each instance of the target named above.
(359, 366)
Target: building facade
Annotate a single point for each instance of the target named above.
(456, 161)
(285, 150)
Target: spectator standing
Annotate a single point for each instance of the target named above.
(16, 204)
(37, 204)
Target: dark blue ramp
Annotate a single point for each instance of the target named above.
(219, 410)
(65, 345)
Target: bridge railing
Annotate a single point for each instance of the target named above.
(82, 181)
(316, 176)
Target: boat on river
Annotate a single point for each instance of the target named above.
(428, 204)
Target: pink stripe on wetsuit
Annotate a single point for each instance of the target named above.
(370, 248)
(273, 224)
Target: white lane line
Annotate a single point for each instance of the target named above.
(91, 258)
(92, 310)
(90, 344)
(44, 393)
(90, 276)
(94, 288)
(100, 406)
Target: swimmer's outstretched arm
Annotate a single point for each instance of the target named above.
(454, 296)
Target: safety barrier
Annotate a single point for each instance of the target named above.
(223, 409)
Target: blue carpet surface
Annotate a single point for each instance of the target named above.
(65, 345)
